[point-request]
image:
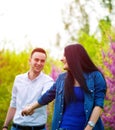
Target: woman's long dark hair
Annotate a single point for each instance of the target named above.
(79, 63)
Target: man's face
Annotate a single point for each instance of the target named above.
(37, 62)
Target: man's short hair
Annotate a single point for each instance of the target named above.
(38, 50)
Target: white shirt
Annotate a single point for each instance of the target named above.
(26, 91)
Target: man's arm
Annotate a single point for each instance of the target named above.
(9, 117)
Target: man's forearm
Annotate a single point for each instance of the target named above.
(9, 116)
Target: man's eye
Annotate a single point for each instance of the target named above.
(36, 60)
(42, 60)
(39, 60)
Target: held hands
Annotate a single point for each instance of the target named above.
(27, 111)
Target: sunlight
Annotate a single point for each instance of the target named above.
(25, 21)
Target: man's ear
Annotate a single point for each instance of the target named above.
(29, 61)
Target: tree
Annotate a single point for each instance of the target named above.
(109, 109)
(81, 15)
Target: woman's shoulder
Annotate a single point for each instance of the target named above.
(93, 74)
(62, 76)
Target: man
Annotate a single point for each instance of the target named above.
(27, 88)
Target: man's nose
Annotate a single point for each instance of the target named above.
(39, 62)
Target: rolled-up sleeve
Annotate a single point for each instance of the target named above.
(48, 96)
(100, 89)
(13, 98)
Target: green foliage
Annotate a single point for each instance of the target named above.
(93, 47)
(105, 30)
(11, 64)
(50, 114)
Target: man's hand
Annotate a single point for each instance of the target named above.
(27, 111)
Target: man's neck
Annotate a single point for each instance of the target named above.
(32, 75)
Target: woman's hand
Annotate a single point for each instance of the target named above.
(27, 111)
(88, 127)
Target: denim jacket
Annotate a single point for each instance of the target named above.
(97, 86)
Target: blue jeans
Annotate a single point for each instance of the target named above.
(14, 128)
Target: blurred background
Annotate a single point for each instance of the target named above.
(53, 24)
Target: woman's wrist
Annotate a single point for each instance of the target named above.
(34, 105)
(91, 123)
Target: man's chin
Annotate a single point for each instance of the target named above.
(37, 72)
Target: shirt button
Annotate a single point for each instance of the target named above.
(91, 90)
(60, 113)
(86, 110)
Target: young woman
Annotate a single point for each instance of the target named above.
(79, 93)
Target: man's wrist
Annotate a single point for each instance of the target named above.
(6, 127)
(91, 123)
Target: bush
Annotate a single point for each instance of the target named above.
(109, 109)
